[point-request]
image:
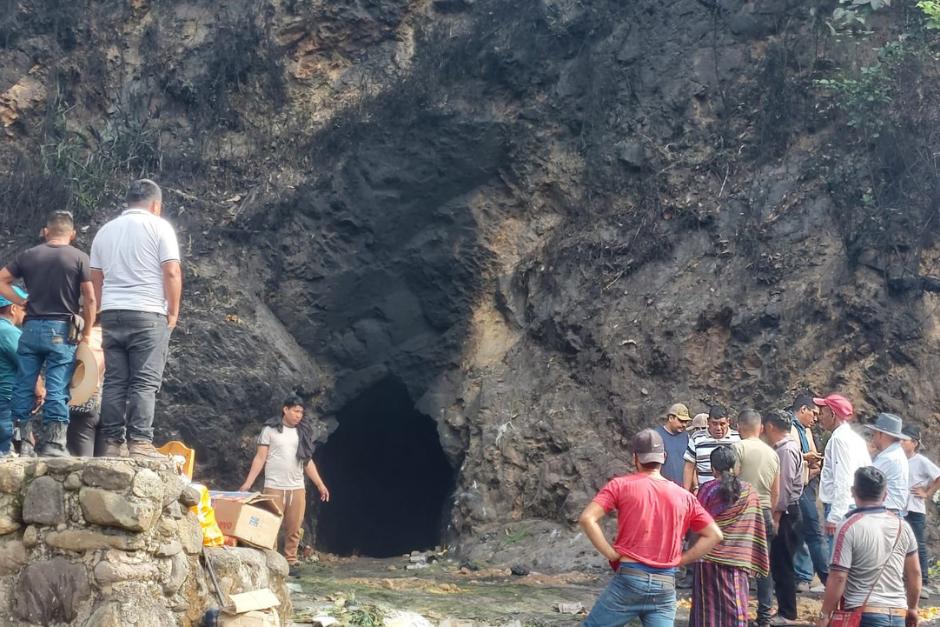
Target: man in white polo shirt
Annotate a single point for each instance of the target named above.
(135, 261)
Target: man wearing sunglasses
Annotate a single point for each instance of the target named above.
(58, 278)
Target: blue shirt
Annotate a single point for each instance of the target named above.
(675, 444)
(9, 339)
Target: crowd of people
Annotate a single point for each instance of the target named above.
(54, 297)
(123, 302)
(739, 505)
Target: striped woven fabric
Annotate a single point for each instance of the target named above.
(745, 542)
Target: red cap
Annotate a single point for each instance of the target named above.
(840, 406)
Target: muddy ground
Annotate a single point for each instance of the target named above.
(366, 591)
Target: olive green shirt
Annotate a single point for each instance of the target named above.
(758, 464)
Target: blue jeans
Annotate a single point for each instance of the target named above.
(813, 557)
(881, 620)
(44, 343)
(6, 426)
(630, 596)
(136, 344)
(918, 523)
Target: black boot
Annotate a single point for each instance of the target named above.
(53, 440)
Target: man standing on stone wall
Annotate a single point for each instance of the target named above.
(135, 261)
(58, 278)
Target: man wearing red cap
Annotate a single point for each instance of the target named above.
(653, 516)
(845, 453)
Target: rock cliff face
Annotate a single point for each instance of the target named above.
(541, 221)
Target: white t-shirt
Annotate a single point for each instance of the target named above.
(131, 250)
(863, 544)
(282, 470)
(923, 472)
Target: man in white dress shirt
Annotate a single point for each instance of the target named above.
(845, 453)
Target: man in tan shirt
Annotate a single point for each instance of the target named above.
(759, 465)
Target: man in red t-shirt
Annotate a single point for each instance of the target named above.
(653, 516)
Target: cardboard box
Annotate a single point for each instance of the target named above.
(251, 609)
(251, 517)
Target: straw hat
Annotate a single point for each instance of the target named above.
(85, 379)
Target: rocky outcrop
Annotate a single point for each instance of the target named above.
(105, 543)
(546, 219)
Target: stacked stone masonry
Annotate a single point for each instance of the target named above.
(110, 543)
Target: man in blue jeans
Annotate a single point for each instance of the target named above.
(135, 261)
(813, 553)
(653, 516)
(58, 278)
(11, 318)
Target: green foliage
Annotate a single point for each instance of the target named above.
(865, 95)
(367, 616)
(931, 10)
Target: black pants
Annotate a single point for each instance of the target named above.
(765, 585)
(789, 537)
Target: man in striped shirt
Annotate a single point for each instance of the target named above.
(698, 465)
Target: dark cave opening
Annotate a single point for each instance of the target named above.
(389, 479)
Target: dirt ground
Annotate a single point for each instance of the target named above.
(365, 591)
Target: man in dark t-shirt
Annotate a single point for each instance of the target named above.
(58, 278)
(676, 441)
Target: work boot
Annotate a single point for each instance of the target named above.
(139, 449)
(52, 441)
(113, 448)
(23, 435)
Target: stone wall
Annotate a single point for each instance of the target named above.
(108, 542)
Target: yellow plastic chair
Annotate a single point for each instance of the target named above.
(175, 447)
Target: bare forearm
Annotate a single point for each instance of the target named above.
(688, 476)
(257, 465)
(174, 294)
(314, 475)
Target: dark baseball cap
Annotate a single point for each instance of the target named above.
(649, 448)
(911, 431)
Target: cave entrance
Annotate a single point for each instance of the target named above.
(389, 479)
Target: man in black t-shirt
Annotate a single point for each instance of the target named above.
(58, 278)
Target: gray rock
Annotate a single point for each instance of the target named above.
(174, 510)
(12, 473)
(277, 563)
(50, 591)
(172, 489)
(64, 465)
(108, 474)
(73, 481)
(107, 573)
(137, 610)
(82, 540)
(9, 514)
(108, 509)
(148, 485)
(44, 502)
(31, 536)
(179, 570)
(190, 533)
(189, 496)
(12, 557)
(169, 549)
(632, 154)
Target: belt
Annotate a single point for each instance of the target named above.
(890, 611)
(636, 572)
